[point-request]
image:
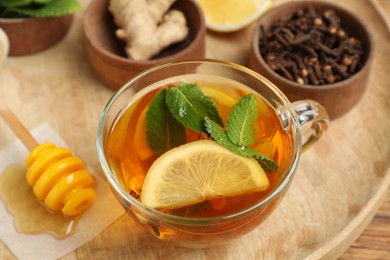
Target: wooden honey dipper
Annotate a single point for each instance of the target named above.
(58, 178)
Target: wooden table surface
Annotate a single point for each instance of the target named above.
(52, 97)
(374, 242)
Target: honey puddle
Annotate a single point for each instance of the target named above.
(30, 216)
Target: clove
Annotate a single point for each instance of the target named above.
(311, 48)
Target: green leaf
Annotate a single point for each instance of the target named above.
(50, 9)
(43, 1)
(266, 163)
(220, 136)
(163, 131)
(15, 3)
(190, 106)
(241, 121)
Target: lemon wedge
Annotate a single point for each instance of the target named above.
(232, 15)
(219, 96)
(200, 171)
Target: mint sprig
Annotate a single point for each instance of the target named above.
(190, 106)
(163, 131)
(240, 131)
(175, 108)
(220, 136)
(241, 121)
(15, 3)
(37, 8)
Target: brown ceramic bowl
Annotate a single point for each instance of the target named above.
(338, 98)
(106, 52)
(31, 35)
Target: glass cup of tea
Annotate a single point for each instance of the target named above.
(282, 131)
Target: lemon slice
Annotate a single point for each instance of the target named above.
(232, 15)
(219, 96)
(199, 171)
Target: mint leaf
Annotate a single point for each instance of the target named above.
(15, 3)
(163, 131)
(218, 134)
(266, 163)
(190, 106)
(43, 1)
(221, 137)
(53, 8)
(241, 121)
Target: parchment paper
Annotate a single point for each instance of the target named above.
(44, 246)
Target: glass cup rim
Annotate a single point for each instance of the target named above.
(188, 220)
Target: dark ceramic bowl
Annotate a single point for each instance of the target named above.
(338, 98)
(106, 53)
(31, 35)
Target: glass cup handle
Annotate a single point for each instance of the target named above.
(314, 121)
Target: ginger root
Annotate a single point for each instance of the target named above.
(147, 26)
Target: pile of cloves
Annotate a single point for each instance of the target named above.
(311, 48)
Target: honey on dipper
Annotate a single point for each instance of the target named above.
(58, 179)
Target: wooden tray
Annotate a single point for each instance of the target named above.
(339, 185)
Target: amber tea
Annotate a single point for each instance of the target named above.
(130, 156)
(217, 179)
